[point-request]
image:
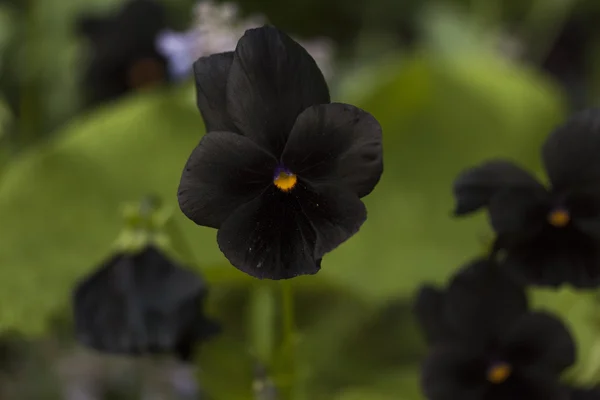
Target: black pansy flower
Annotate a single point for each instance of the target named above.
(142, 303)
(281, 170)
(548, 235)
(489, 345)
(123, 51)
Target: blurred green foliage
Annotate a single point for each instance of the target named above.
(447, 104)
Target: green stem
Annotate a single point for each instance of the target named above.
(288, 339)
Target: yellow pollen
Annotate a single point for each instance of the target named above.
(559, 218)
(499, 373)
(285, 181)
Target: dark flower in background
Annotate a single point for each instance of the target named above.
(142, 303)
(281, 170)
(490, 346)
(124, 57)
(584, 394)
(547, 235)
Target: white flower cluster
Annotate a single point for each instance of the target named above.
(216, 29)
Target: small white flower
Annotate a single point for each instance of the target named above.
(217, 28)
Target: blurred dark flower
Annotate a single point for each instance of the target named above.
(490, 346)
(142, 303)
(124, 57)
(548, 236)
(281, 170)
(584, 394)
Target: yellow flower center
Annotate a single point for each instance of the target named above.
(285, 181)
(559, 218)
(499, 373)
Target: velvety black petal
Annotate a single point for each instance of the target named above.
(92, 27)
(336, 143)
(429, 311)
(334, 212)
(583, 205)
(282, 235)
(528, 384)
(553, 258)
(133, 304)
(570, 153)
(519, 211)
(540, 340)
(211, 75)
(272, 80)
(482, 300)
(474, 188)
(454, 372)
(225, 171)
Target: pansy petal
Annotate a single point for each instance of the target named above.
(272, 80)
(451, 373)
(475, 187)
(338, 143)
(335, 213)
(225, 171)
(282, 235)
(269, 237)
(518, 211)
(582, 393)
(482, 300)
(570, 154)
(211, 75)
(553, 258)
(429, 311)
(542, 340)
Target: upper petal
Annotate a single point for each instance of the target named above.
(474, 187)
(540, 339)
(272, 80)
(482, 300)
(336, 142)
(225, 171)
(570, 153)
(282, 235)
(211, 75)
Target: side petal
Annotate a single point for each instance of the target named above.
(272, 80)
(429, 311)
(225, 171)
(482, 300)
(570, 153)
(542, 340)
(282, 235)
(337, 143)
(211, 75)
(452, 372)
(474, 187)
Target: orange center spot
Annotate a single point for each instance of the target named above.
(499, 373)
(285, 181)
(145, 72)
(559, 218)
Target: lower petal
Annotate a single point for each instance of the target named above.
(453, 373)
(280, 235)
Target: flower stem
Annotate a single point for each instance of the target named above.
(288, 340)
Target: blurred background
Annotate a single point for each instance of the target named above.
(97, 111)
